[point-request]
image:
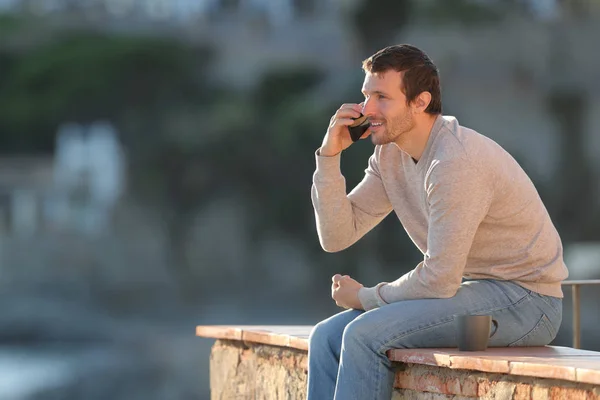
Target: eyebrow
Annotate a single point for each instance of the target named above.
(375, 92)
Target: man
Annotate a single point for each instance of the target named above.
(488, 242)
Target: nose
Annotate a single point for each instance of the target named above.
(367, 107)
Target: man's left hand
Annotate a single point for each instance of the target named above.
(344, 290)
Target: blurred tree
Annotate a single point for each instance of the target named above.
(188, 142)
(8, 25)
(575, 178)
(282, 127)
(81, 77)
(377, 22)
(305, 8)
(463, 12)
(138, 83)
(573, 203)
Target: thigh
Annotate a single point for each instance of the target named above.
(430, 322)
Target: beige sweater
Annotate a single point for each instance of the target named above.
(467, 205)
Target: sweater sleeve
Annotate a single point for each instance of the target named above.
(458, 197)
(342, 218)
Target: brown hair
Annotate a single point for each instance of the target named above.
(419, 73)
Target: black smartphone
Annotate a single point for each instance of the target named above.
(359, 127)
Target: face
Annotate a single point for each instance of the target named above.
(385, 105)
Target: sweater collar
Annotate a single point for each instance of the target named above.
(433, 134)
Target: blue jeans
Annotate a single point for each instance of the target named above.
(347, 352)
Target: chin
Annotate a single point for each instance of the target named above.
(376, 141)
(381, 138)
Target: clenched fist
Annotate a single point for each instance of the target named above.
(344, 290)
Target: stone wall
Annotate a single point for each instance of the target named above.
(242, 370)
(428, 382)
(245, 370)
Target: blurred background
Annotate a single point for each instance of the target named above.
(156, 158)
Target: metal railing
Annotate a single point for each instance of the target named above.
(575, 286)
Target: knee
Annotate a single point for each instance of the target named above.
(358, 331)
(322, 335)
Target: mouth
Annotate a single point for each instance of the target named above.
(375, 125)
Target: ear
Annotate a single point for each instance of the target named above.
(421, 102)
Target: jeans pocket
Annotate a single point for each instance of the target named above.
(554, 303)
(542, 333)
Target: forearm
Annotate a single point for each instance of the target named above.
(425, 282)
(333, 210)
(343, 219)
(416, 284)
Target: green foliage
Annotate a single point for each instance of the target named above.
(9, 24)
(463, 12)
(280, 85)
(279, 126)
(85, 76)
(377, 22)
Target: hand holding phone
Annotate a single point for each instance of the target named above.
(359, 127)
(346, 126)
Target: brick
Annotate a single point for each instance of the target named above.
(453, 386)
(404, 380)
(561, 393)
(539, 393)
(495, 389)
(407, 394)
(457, 383)
(430, 383)
(484, 386)
(522, 392)
(504, 390)
(469, 386)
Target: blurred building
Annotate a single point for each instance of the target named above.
(278, 12)
(265, 32)
(24, 182)
(73, 191)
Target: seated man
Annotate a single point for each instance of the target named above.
(488, 242)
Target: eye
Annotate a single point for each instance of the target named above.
(380, 96)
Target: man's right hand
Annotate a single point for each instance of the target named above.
(337, 137)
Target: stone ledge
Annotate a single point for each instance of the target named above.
(293, 336)
(551, 362)
(255, 371)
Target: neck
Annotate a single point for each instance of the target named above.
(414, 141)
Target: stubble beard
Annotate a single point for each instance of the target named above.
(394, 130)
